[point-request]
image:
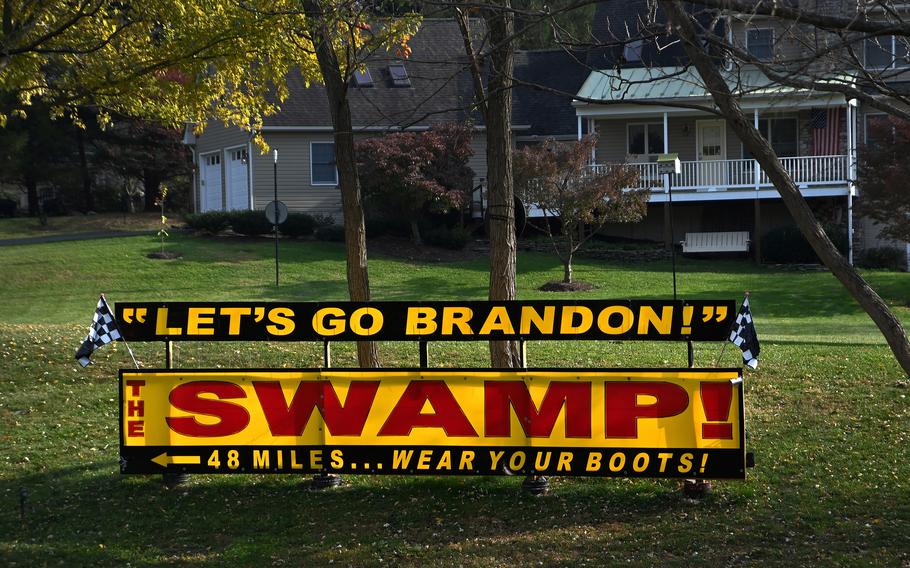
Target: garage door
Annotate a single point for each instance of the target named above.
(210, 183)
(238, 196)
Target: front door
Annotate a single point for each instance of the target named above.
(712, 153)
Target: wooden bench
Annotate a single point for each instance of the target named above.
(731, 241)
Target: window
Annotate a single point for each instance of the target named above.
(399, 75)
(760, 43)
(322, 164)
(632, 50)
(645, 139)
(886, 52)
(362, 78)
(783, 135)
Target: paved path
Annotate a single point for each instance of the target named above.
(73, 237)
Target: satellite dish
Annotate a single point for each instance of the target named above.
(276, 212)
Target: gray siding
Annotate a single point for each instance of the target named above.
(478, 161)
(294, 185)
(612, 138)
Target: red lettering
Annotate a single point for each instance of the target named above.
(407, 412)
(135, 385)
(623, 411)
(135, 428)
(232, 418)
(135, 408)
(290, 420)
(536, 423)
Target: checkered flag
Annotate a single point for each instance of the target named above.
(744, 336)
(103, 331)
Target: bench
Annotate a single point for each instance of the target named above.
(731, 241)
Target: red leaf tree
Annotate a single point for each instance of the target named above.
(555, 178)
(884, 171)
(406, 173)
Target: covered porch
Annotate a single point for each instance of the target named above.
(647, 112)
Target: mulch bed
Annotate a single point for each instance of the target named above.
(164, 255)
(558, 286)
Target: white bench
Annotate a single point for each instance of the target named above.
(732, 241)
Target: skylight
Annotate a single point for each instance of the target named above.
(399, 75)
(362, 78)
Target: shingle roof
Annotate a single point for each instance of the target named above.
(547, 113)
(440, 88)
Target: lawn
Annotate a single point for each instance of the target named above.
(827, 418)
(26, 227)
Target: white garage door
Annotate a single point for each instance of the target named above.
(238, 196)
(210, 183)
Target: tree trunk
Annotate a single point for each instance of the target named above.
(415, 233)
(31, 194)
(500, 190)
(151, 183)
(88, 199)
(567, 271)
(726, 102)
(345, 160)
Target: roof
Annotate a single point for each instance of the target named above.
(674, 83)
(547, 113)
(440, 90)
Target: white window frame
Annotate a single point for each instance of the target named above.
(312, 180)
(894, 58)
(758, 29)
(660, 125)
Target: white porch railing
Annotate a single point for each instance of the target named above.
(719, 175)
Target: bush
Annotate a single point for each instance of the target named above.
(787, 245)
(250, 223)
(323, 220)
(298, 225)
(7, 207)
(331, 233)
(890, 258)
(455, 238)
(212, 222)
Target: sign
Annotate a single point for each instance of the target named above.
(276, 212)
(600, 422)
(660, 320)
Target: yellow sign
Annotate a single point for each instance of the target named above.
(659, 422)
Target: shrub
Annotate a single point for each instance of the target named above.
(7, 207)
(323, 220)
(212, 222)
(298, 225)
(787, 245)
(332, 233)
(454, 238)
(250, 223)
(890, 258)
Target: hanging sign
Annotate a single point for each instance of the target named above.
(601, 422)
(699, 320)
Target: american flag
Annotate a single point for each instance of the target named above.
(825, 124)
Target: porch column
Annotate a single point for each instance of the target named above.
(594, 149)
(579, 127)
(756, 170)
(668, 236)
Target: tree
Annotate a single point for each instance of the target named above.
(556, 178)
(493, 97)
(884, 171)
(407, 173)
(729, 107)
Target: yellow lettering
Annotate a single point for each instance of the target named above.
(664, 457)
(453, 317)
(294, 463)
(423, 462)
(445, 462)
(567, 324)
(640, 462)
(517, 461)
(594, 461)
(234, 315)
(316, 459)
(494, 459)
(260, 459)
(647, 318)
(401, 459)
(280, 454)
(281, 318)
(603, 320)
(421, 320)
(685, 463)
(617, 462)
(544, 324)
(467, 460)
(546, 463)
(497, 320)
(565, 461)
(357, 321)
(335, 327)
(161, 327)
(337, 459)
(200, 316)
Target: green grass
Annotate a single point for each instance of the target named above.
(26, 227)
(827, 417)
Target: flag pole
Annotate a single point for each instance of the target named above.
(128, 348)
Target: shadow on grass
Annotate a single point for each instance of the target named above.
(90, 515)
